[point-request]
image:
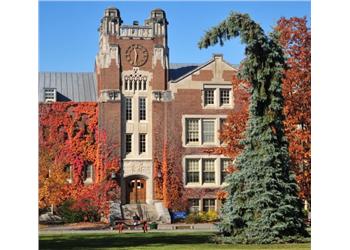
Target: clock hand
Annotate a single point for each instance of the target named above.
(135, 56)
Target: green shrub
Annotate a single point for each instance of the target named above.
(200, 217)
(70, 214)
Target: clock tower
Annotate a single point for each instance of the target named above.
(132, 88)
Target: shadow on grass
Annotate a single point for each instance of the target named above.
(100, 241)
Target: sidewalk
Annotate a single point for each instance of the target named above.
(59, 229)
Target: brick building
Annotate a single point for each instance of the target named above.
(144, 102)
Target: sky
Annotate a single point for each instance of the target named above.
(68, 36)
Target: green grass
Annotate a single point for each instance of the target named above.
(151, 240)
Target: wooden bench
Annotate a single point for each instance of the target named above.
(120, 225)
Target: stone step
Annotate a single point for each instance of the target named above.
(144, 211)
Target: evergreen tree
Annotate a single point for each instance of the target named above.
(262, 204)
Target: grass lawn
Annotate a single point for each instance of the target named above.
(151, 240)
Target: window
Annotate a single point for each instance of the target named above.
(208, 205)
(128, 143)
(69, 172)
(217, 96)
(49, 94)
(208, 131)
(194, 205)
(88, 173)
(209, 96)
(201, 131)
(224, 96)
(142, 143)
(209, 171)
(192, 171)
(128, 109)
(142, 108)
(224, 164)
(192, 128)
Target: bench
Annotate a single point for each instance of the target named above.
(120, 225)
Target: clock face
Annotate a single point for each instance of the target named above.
(136, 55)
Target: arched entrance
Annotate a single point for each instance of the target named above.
(135, 190)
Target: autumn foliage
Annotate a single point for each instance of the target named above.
(295, 38)
(69, 137)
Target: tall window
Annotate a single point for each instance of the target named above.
(224, 96)
(208, 171)
(142, 143)
(192, 128)
(128, 143)
(208, 131)
(208, 96)
(142, 108)
(128, 108)
(192, 171)
(88, 173)
(208, 205)
(194, 205)
(224, 164)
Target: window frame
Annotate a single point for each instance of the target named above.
(128, 108)
(201, 141)
(210, 205)
(206, 96)
(127, 143)
(206, 173)
(221, 97)
(88, 179)
(50, 95)
(187, 166)
(218, 88)
(142, 143)
(142, 108)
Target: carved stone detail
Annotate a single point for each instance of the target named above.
(109, 95)
(136, 167)
(161, 95)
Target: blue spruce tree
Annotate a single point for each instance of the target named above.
(262, 204)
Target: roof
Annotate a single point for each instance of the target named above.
(82, 86)
(178, 70)
(70, 86)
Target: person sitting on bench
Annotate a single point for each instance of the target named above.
(136, 219)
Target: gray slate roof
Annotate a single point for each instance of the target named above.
(82, 87)
(70, 86)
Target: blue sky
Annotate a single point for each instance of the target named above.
(68, 37)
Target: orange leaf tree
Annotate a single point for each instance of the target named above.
(295, 37)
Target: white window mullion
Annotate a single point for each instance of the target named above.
(200, 171)
(200, 134)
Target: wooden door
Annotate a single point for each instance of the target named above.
(137, 191)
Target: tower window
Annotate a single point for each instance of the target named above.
(142, 108)
(142, 143)
(128, 109)
(128, 143)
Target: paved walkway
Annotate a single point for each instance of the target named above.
(203, 227)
